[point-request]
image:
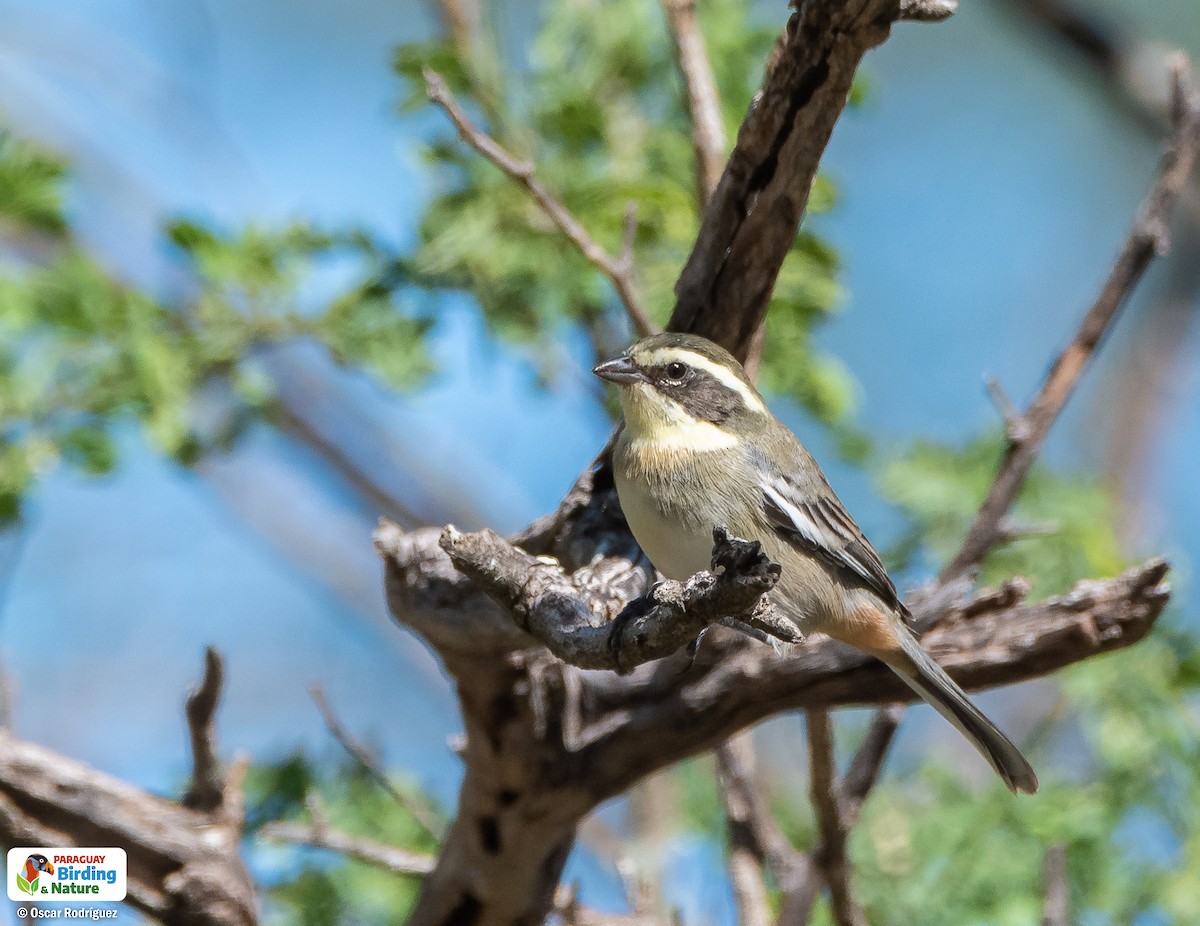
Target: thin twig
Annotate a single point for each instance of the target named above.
(1056, 911)
(521, 173)
(477, 51)
(426, 820)
(831, 821)
(207, 785)
(708, 132)
(318, 836)
(291, 418)
(1015, 426)
(629, 236)
(1147, 239)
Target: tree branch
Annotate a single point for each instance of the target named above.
(201, 708)
(752, 219)
(831, 855)
(184, 862)
(618, 271)
(1148, 238)
(184, 866)
(546, 604)
(746, 826)
(704, 105)
(316, 835)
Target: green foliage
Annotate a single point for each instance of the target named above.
(936, 852)
(81, 352)
(1071, 518)
(601, 114)
(327, 890)
(30, 187)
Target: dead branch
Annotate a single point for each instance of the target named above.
(184, 864)
(201, 708)
(618, 271)
(655, 719)
(1148, 238)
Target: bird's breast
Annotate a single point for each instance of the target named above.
(672, 501)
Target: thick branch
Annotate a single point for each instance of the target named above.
(752, 219)
(619, 271)
(739, 684)
(184, 866)
(983, 640)
(1147, 239)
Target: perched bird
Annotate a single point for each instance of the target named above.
(699, 450)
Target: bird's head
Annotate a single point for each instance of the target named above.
(683, 390)
(40, 863)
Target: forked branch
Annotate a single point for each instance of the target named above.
(619, 270)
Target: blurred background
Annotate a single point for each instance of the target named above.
(255, 295)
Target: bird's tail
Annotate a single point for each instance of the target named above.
(930, 681)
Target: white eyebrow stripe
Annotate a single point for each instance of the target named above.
(724, 376)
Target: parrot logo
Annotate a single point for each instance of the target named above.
(27, 877)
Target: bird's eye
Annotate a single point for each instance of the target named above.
(676, 371)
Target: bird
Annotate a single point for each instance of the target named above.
(699, 450)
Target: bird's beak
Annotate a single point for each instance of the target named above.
(49, 868)
(620, 370)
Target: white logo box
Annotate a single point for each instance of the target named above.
(66, 875)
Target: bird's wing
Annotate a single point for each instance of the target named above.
(817, 522)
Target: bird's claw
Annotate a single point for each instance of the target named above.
(743, 560)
